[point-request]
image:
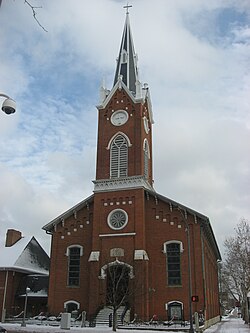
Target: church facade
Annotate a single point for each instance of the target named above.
(169, 250)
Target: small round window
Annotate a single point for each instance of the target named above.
(117, 219)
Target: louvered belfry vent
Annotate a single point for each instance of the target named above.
(119, 157)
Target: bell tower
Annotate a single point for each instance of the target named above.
(124, 147)
(123, 174)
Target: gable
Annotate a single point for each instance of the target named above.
(33, 258)
(49, 227)
(25, 256)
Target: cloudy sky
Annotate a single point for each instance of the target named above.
(195, 56)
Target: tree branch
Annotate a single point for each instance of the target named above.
(34, 14)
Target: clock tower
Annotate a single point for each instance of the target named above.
(123, 168)
(124, 148)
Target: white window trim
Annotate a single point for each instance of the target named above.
(74, 245)
(145, 143)
(170, 242)
(169, 303)
(146, 157)
(113, 137)
(119, 157)
(71, 301)
(112, 212)
(116, 262)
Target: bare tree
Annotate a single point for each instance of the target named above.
(118, 276)
(124, 283)
(34, 13)
(236, 267)
(33, 8)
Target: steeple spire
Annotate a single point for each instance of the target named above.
(127, 59)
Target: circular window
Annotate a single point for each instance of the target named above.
(117, 219)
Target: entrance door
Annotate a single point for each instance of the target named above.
(117, 284)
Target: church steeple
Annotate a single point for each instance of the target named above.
(124, 149)
(127, 59)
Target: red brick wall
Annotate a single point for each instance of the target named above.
(12, 236)
(132, 201)
(76, 231)
(151, 223)
(211, 282)
(13, 279)
(159, 230)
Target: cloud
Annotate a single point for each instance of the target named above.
(194, 55)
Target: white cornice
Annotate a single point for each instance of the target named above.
(118, 235)
(123, 183)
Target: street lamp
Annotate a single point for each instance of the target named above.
(9, 105)
(191, 329)
(27, 290)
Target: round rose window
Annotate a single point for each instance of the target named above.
(117, 219)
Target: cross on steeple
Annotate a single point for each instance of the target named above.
(127, 60)
(127, 7)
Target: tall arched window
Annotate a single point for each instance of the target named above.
(173, 250)
(174, 264)
(119, 157)
(74, 252)
(146, 158)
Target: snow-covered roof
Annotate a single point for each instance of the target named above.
(26, 255)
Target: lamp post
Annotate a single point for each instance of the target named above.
(9, 105)
(191, 329)
(27, 290)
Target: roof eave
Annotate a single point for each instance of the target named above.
(204, 220)
(24, 270)
(49, 226)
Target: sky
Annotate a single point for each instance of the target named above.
(195, 56)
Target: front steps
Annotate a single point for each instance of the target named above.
(102, 318)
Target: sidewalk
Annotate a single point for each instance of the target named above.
(231, 324)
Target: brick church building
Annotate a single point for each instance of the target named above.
(168, 250)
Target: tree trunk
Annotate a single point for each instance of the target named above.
(114, 319)
(246, 312)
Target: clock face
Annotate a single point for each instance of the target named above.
(119, 117)
(146, 126)
(117, 219)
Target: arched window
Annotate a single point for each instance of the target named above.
(119, 157)
(175, 310)
(146, 157)
(74, 252)
(173, 251)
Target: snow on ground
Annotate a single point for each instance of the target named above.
(227, 325)
(49, 329)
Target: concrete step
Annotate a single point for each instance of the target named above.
(102, 318)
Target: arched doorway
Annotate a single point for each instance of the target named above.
(118, 275)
